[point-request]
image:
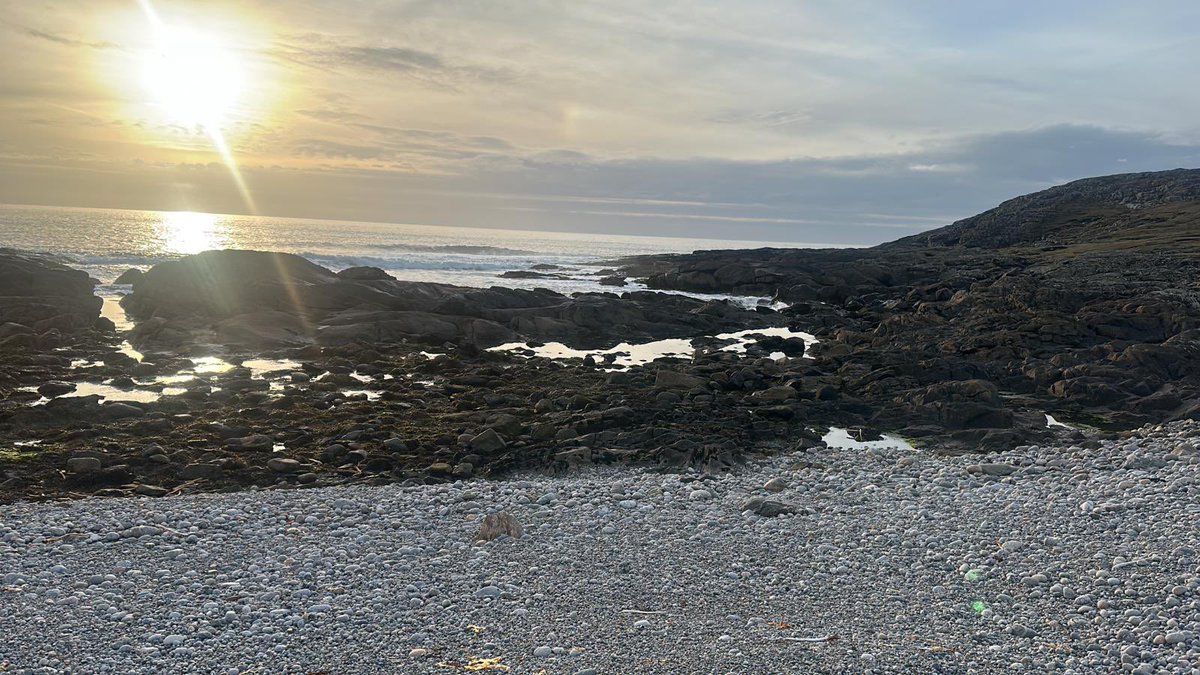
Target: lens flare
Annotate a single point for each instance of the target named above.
(195, 79)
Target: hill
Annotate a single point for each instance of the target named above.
(1160, 208)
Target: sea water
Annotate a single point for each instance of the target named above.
(106, 242)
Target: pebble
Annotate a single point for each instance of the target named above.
(1089, 553)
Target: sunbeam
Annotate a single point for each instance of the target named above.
(195, 80)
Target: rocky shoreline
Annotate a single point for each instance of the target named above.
(1081, 302)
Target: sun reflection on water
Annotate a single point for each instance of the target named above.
(187, 232)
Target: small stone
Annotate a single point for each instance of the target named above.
(698, 495)
(254, 442)
(543, 652)
(1021, 631)
(996, 469)
(492, 592)
(173, 640)
(776, 484)
(150, 490)
(284, 465)
(84, 465)
(200, 470)
(439, 468)
(1012, 546)
(117, 411)
(1180, 637)
(767, 508)
(418, 653)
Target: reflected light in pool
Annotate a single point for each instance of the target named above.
(187, 232)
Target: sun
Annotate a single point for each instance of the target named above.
(192, 77)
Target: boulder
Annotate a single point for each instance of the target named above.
(223, 284)
(488, 442)
(55, 388)
(38, 289)
(671, 379)
(128, 276)
(265, 330)
(365, 274)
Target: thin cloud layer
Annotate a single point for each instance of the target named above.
(854, 122)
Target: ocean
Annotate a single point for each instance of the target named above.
(106, 242)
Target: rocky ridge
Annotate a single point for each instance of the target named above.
(1082, 300)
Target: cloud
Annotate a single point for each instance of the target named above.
(336, 53)
(68, 41)
(762, 118)
(387, 58)
(431, 150)
(317, 147)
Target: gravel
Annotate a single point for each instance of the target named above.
(891, 560)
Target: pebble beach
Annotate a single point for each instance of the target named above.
(1078, 557)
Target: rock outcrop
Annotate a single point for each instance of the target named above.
(43, 300)
(1083, 299)
(256, 299)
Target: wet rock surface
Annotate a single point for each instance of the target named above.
(254, 299)
(958, 341)
(1082, 300)
(44, 304)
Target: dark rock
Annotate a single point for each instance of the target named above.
(36, 289)
(488, 442)
(117, 411)
(84, 465)
(128, 276)
(268, 300)
(55, 388)
(767, 508)
(365, 274)
(200, 470)
(150, 490)
(256, 443)
(284, 465)
(670, 379)
(526, 274)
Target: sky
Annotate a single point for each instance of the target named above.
(840, 122)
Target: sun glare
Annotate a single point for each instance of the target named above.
(195, 79)
(192, 76)
(186, 232)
